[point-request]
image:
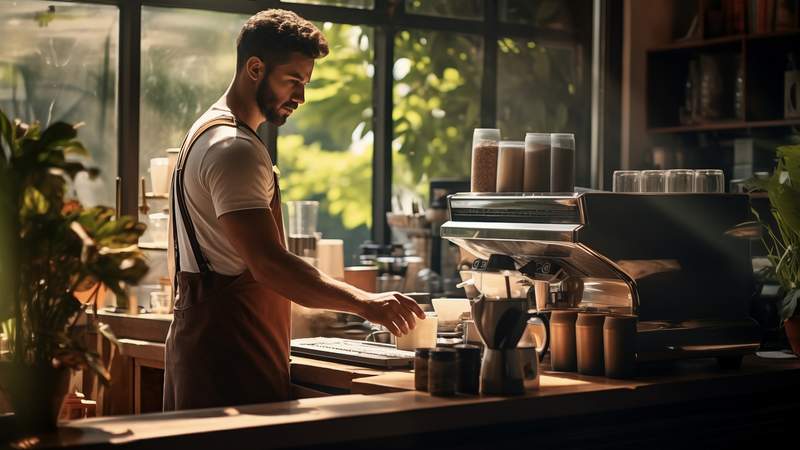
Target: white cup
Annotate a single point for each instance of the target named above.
(330, 257)
(159, 175)
(422, 336)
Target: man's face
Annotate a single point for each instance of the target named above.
(282, 90)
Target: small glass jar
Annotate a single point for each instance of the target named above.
(421, 356)
(510, 166)
(562, 162)
(483, 176)
(442, 371)
(469, 368)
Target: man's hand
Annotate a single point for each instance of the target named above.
(393, 310)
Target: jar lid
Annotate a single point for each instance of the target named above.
(562, 140)
(563, 315)
(512, 144)
(590, 319)
(467, 348)
(443, 354)
(422, 352)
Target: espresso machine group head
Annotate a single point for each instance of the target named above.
(676, 261)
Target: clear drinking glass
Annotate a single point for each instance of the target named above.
(562, 162)
(303, 217)
(653, 181)
(626, 181)
(709, 180)
(680, 180)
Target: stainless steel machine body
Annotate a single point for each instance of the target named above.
(673, 260)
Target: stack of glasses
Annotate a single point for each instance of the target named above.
(675, 180)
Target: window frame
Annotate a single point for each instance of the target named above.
(387, 18)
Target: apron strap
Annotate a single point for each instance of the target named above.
(178, 193)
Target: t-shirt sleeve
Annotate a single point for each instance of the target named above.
(238, 175)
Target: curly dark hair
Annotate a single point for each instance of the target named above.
(274, 33)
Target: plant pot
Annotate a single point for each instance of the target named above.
(35, 394)
(792, 327)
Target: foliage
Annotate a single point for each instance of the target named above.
(783, 246)
(54, 249)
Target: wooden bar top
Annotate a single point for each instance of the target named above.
(337, 419)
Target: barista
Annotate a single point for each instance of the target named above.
(228, 343)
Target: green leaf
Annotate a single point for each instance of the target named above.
(105, 330)
(75, 148)
(94, 363)
(790, 162)
(58, 133)
(7, 132)
(789, 304)
(34, 202)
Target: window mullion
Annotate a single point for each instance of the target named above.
(130, 22)
(489, 78)
(382, 101)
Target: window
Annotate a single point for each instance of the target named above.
(360, 4)
(188, 59)
(462, 9)
(325, 148)
(538, 88)
(437, 90)
(58, 62)
(549, 14)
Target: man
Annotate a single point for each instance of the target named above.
(229, 341)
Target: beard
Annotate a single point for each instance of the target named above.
(269, 106)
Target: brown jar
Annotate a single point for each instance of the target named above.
(619, 346)
(421, 356)
(589, 343)
(563, 356)
(442, 371)
(469, 368)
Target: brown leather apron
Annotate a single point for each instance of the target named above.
(228, 343)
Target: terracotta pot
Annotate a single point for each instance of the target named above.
(35, 394)
(792, 327)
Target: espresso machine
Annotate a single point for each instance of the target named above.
(675, 261)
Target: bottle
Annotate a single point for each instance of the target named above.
(738, 99)
(686, 114)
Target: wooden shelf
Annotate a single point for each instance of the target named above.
(772, 34)
(722, 40)
(151, 196)
(699, 43)
(729, 125)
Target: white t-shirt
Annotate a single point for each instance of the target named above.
(228, 169)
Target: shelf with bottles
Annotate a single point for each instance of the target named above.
(697, 89)
(732, 86)
(724, 69)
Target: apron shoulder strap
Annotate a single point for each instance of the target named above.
(179, 195)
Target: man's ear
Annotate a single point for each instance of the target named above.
(254, 68)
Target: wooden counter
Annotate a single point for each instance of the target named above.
(693, 404)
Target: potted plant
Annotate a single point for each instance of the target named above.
(50, 250)
(783, 242)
